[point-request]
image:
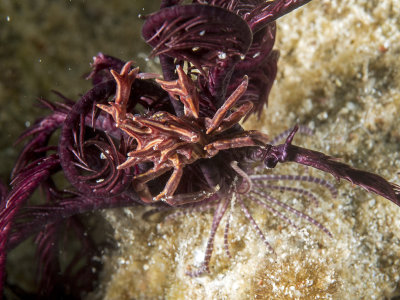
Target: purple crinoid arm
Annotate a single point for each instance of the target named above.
(24, 184)
(371, 182)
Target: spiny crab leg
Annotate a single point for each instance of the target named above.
(134, 131)
(185, 88)
(147, 153)
(173, 181)
(251, 138)
(228, 104)
(140, 186)
(235, 117)
(124, 82)
(169, 127)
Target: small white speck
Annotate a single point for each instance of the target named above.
(100, 180)
(27, 124)
(350, 106)
(386, 44)
(222, 55)
(256, 54)
(96, 258)
(8, 18)
(146, 267)
(201, 33)
(322, 115)
(195, 49)
(39, 60)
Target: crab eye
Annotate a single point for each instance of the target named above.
(270, 162)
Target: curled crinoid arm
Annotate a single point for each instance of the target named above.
(81, 159)
(260, 64)
(269, 11)
(194, 33)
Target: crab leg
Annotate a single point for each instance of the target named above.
(173, 181)
(228, 104)
(252, 138)
(185, 89)
(124, 82)
(235, 117)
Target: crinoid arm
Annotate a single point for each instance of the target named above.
(371, 182)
